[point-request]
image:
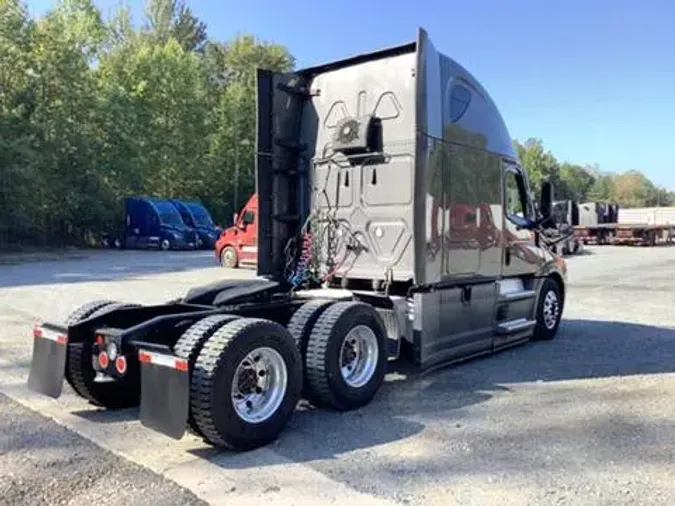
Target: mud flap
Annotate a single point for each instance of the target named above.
(165, 392)
(48, 365)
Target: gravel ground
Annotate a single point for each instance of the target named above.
(44, 463)
(586, 419)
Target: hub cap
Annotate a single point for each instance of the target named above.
(228, 257)
(259, 385)
(551, 309)
(358, 356)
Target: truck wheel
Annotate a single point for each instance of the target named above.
(246, 384)
(228, 258)
(80, 371)
(86, 310)
(549, 311)
(165, 245)
(346, 356)
(303, 320)
(191, 343)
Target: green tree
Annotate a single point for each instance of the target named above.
(539, 163)
(602, 190)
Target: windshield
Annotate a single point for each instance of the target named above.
(200, 215)
(168, 214)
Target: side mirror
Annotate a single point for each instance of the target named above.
(235, 218)
(546, 199)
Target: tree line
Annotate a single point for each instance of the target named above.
(94, 108)
(587, 183)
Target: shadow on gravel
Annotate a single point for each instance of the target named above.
(585, 349)
(101, 266)
(108, 416)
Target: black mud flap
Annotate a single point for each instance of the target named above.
(165, 392)
(48, 366)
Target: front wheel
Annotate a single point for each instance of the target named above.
(228, 258)
(549, 310)
(165, 245)
(246, 383)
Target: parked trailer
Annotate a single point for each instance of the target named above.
(636, 226)
(356, 160)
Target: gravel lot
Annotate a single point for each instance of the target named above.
(588, 418)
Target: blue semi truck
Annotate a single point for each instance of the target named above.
(197, 217)
(152, 223)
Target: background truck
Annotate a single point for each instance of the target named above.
(152, 223)
(238, 244)
(353, 159)
(198, 218)
(566, 217)
(609, 224)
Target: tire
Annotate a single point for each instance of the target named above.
(326, 383)
(80, 371)
(303, 320)
(165, 244)
(86, 310)
(215, 372)
(229, 258)
(191, 343)
(549, 295)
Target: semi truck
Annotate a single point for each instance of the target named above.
(566, 217)
(152, 223)
(238, 244)
(359, 163)
(198, 218)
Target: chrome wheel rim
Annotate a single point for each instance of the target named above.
(259, 385)
(551, 309)
(358, 356)
(165, 244)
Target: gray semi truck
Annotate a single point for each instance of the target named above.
(395, 224)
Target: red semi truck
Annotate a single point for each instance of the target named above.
(238, 244)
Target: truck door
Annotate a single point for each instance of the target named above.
(248, 239)
(519, 254)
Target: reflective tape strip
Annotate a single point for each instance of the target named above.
(149, 357)
(249, 249)
(42, 333)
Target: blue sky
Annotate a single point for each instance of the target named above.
(594, 79)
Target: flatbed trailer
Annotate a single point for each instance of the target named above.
(639, 234)
(361, 164)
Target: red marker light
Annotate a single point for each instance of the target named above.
(121, 365)
(103, 360)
